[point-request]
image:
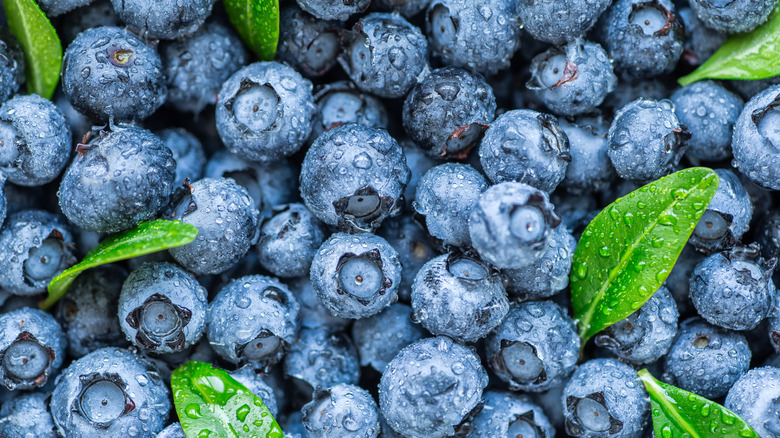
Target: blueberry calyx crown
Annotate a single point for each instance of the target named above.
(364, 210)
(26, 351)
(164, 328)
(99, 395)
(574, 424)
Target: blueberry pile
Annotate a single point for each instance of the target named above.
(387, 214)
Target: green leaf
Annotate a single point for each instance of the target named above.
(679, 413)
(146, 238)
(754, 55)
(41, 45)
(257, 21)
(213, 404)
(628, 250)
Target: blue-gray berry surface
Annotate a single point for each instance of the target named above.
(289, 241)
(254, 382)
(164, 19)
(187, 152)
(727, 216)
(559, 22)
(307, 44)
(328, 10)
(26, 415)
(756, 139)
(313, 313)
(321, 358)
(590, 168)
(341, 411)
(755, 397)
(511, 415)
(414, 247)
(172, 431)
(407, 8)
(736, 16)
(340, 103)
(701, 42)
(380, 337)
(32, 348)
(10, 71)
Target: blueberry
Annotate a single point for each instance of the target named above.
(172, 431)
(701, 42)
(255, 384)
(573, 79)
(448, 111)
(736, 16)
(709, 111)
(749, 88)
(356, 276)
(768, 234)
(32, 348)
(755, 398)
(313, 313)
(446, 194)
(547, 275)
(511, 415)
(644, 37)
(97, 13)
(3, 200)
(512, 224)
(238, 335)
(340, 103)
(166, 19)
(478, 36)
(431, 388)
(107, 393)
(525, 146)
(26, 415)
(380, 337)
(678, 281)
(755, 138)
(119, 178)
(534, 348)
(11, 69)
(196, 67)
(227, 225)
(551, 22)
(628, 91)
(645, 335)
(36, 246)
(384, 54)
(327, 10)
(646, 140)
(460, 296)
(727, 216)
(419, 163)
(590, 169)
(162, 308)
(705, 359)
(264, 111)
(407, 8)
(34, 140)
(353, 177)
(289, 241)
(89, 311)
(307, 44)
(341, 411)
(734, 289)
(187, 152)
(293, 425)
(321, 358)
(605, 398)
(413, 246)
(109, 74)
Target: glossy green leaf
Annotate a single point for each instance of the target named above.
(628, 250)
(41, 45)
(146, 238)
(257, 21)
(754, 55)
(212, 404)
(681, 414)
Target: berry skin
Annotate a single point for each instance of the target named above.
(512, 224)
(414, 249)
(645, 38)
(705, 359)
(34, 140)
(478, 36)
(36, 246)
(737, 16)
(550, 22)
(384, 54)
(341, 411)
(187, 152)
(709, 111)
(525, 146)
(645, 335)
(511, 415)
(734, 289)
(289, 241)
(11, 69)
(226, 220)
(340, 103)
(407, 8)
(255, 384)
(327, 10)
(172, 431)
(353, 177)
(590, 169)
(307, 44)
(32, 348)
(701, 42)
(448, 111)
(727, 216)
(264, 112)
(419, 163)
(431, 388)
(573, 79)
(162, 308)
(127, 73)
(89, 311)
(755, 398)
(645, 140)
(109, 393)
(313, 313)
(321, 358)
(26, 415)
(755, 139)
(238, 335)
(605, 398)
(121, 177)
(356, 275)
(459, 296)
(54, 8)
(534, 348)
(380, 337)
(446, 194)
(3, 200)
(168, 19)
(196, 67)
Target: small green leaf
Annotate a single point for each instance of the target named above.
(41, 45)
(146, 238)
(257, 21)
(679, 413)
(211, 403)
(628, 250)
(754, 55)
